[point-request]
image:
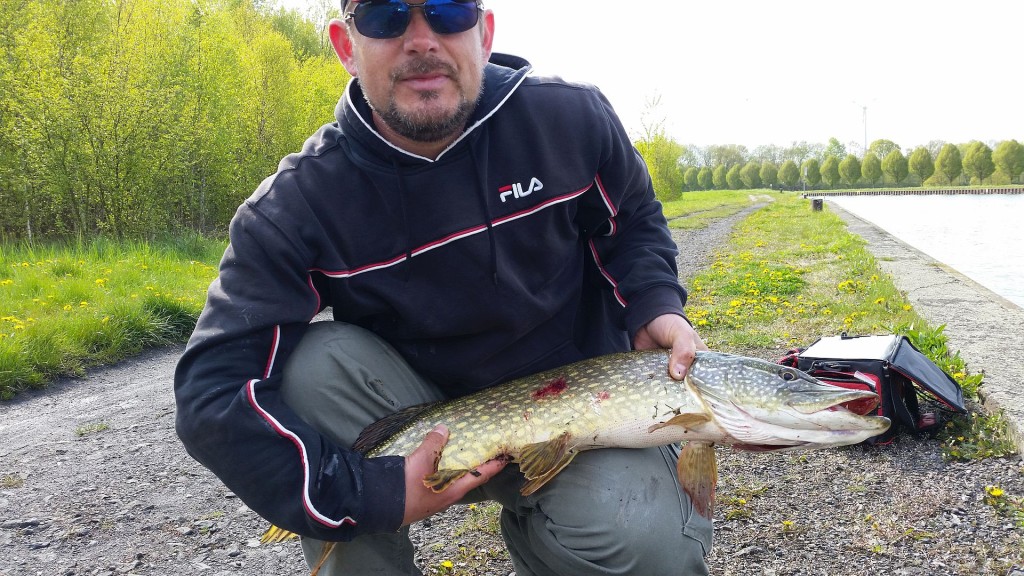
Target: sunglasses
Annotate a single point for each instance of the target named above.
(389, 18)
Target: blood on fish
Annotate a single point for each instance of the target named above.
(553, 388)
(603, 395)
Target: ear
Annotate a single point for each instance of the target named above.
(342, 42)
(487, 38)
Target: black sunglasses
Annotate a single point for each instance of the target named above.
(390, 18)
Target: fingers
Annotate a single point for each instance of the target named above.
(421, 501)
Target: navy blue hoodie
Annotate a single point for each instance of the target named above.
(534, 240)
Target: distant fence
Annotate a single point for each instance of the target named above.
(916, 191)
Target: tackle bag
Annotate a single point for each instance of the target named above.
(891, 367)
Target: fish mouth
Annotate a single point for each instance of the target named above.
(859, 406)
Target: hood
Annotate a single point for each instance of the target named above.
(502, 75)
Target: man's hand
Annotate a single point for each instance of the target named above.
(420, 501)
(671, 331)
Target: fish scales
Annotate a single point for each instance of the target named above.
(609, 401)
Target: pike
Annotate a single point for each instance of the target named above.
(628, 400)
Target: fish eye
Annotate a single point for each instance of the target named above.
(787, 375)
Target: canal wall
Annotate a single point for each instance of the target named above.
(915, 192)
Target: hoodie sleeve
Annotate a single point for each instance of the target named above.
(629, 238)
(230, 413)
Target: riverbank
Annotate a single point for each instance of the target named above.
(982, 325)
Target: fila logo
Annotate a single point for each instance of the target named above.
(516, 190)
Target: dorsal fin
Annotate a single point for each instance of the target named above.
(388, 426)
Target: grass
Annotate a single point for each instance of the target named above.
(67, 307)
(697, 209)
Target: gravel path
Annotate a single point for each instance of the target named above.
(93, 481)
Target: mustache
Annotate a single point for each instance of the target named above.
(423, 65)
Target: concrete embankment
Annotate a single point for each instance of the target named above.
(917, 192)
(983, 326)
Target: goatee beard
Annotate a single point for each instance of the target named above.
(427, 127)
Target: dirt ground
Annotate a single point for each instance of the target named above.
(93, 481)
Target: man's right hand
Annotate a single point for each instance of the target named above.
(420, 501)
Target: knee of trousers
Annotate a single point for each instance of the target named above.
(615, 512)
(341, 378)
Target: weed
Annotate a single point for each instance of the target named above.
(11, 481)
(91, 429)
(1005, 505)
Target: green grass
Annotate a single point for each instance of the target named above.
(697, 209)
(789, 275)
(64, 308)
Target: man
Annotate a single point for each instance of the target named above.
(467, 224)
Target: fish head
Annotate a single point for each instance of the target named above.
(767, 406)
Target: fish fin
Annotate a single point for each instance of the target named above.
(440, 481)
(388, 426)
(689, 421)
(698, 475)
(275, 534)
(541, 461)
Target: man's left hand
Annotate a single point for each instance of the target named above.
(671, 331)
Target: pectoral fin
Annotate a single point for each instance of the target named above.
(440, 481)
(540, 462)
(698, 475)
(688, 421)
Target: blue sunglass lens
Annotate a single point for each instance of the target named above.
(450, 17)
(390, 18)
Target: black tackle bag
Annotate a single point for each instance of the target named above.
(889, 366)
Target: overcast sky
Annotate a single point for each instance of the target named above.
(753, 72)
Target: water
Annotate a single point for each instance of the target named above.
(982, 237)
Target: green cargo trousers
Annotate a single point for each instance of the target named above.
(612, 511)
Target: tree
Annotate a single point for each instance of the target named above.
(705, 179)
(835, 148)
(921, 164)
(894, 165)
(750, 174)
(769, 174)
(768, 153)
(690, 178)
(718, 177)
(871, 168)
(881, 148)
(728, 155)
(978, 161)
(948, 163)
(830, 170)
(800, 151)
(1009, 158)
(789, 174)
(661, 153)
(811, 172)
(733, 179)
(849, 169)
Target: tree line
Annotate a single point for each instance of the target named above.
(138, 118)
(677, 168)
(143, 118)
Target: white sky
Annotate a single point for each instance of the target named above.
(754, 72)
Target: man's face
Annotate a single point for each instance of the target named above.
(422, 85)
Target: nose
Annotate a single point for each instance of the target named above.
(419, 36)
